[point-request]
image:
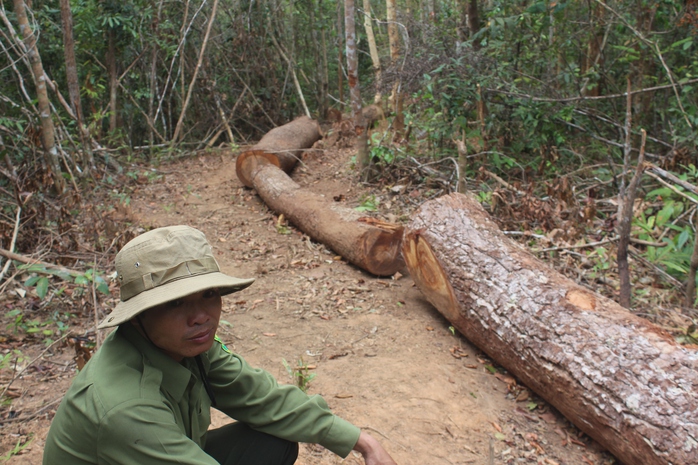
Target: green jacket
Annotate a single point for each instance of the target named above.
(132, 404)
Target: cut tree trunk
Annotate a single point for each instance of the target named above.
(617, 377)
(281, 146)
(372, 245)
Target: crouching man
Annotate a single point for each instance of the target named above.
(145, 396)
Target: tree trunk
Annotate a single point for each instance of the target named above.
(340, 61)
(113, 79)
(395, 99)
(281, 147)
(354, 88)
(48, 135)
(617, 377)
(71, 72)
(370, 244)
(373, 49)
(473, 21)
(190, 90)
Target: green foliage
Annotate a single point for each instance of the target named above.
(299, 374)
(18, 448)
(380, 153)
(369, 203)
(12, 357)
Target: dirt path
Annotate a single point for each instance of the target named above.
(383, 357)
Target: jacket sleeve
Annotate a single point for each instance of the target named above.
(253, 396)
(145, 433)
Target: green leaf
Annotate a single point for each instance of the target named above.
(31, 281)
(531, 406)
(42, 287)
(491, 369)
(103, 288)
(500, 436)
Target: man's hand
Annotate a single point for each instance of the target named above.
(373, 452)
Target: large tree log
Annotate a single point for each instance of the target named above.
(281, 146)
(370, 244)
(616, 376)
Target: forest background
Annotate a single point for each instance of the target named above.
(573, 122)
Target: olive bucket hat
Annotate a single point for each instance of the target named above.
(163, 265)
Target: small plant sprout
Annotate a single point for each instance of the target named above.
(281, 226)
(300, 374)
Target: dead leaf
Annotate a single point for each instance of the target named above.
(430, 328)
(496, 426)
(269, 334)
(506, 379)
(523, 396)
(397, 275)
(548, 417)
(222, 239)
(472, 367)
(344, 396)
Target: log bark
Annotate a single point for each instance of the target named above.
(372, 245)
(617, 377)
(281, 146)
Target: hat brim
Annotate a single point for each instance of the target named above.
(177, 289)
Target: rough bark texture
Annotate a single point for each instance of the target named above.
(48, 136)
(617, 377)
(71, 74)
(281, 147)
(370, 244)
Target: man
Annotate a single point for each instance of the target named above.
(145, 396)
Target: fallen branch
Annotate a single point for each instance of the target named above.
(12, 242)
(32, 261)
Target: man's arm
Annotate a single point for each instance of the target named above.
(372, 451)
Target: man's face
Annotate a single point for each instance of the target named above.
(184, 327)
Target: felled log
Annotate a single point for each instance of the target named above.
(372, 245)
(616, 376)
(281, 146)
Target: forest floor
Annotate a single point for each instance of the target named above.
(382, 356)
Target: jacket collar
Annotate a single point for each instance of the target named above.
(175, 376)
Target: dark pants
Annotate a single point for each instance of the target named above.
(237, 443)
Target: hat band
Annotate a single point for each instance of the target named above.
(158, 278)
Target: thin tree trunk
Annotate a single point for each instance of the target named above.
(71, 71)
(292, 69)
(473, 20)
(48, 134)
(595, 48)
(691, 283)
(154, 49)
(324, 77)
(373, 49)
(626, 199)
(394, 42)
(113, 79)
(340, 61)
(185, 105)
(354, 89)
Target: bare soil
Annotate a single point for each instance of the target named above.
(382, 356)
